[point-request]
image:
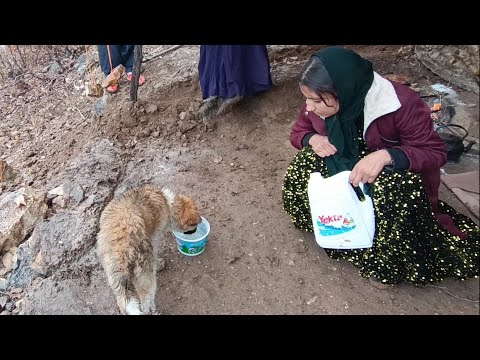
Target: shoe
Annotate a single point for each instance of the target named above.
(208, 107)
(112, 89)
(141, 79)
(228, 105)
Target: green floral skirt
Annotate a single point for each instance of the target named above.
(410, 245)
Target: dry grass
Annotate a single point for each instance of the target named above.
(16, 60)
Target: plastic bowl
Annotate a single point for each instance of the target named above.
(193, 244)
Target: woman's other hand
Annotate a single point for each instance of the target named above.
(367, 169)
(322, 146)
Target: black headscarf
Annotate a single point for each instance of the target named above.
(352, 77)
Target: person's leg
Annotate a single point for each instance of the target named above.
(105, 65)
(295, 187)
(104, 60)
(228, 105)
(126, 53)
(211, 71)
(247, 70)
(211, 76)
(128, 57)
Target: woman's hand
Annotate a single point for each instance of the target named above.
(367, 169)
(322, 146)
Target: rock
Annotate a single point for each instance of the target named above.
(90, 201)
(6, 172)
(161, 264)
(81, 64)
(58, 191)
(114, 76)
(56, 245)
(151, 108)
(100, 105)
(184, 127)
(18, 221)
(20, 201)
(9, 307)
(45, 69)
(53, 69)
(60, 201)
(183, 114)
(38, 265)
(143, 133)
(52, 296)
(9, 260)
(3, 302)
(64, 194)
(76, 193)
(457, 64)
(18, 307)
(402, 79)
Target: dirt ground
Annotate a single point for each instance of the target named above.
(255, 261)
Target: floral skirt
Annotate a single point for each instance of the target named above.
(410, 245)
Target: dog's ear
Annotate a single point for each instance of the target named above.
(186, 211)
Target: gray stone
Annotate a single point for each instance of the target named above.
(100, 105)
(456, 64)
(20, 212)
(81, 64)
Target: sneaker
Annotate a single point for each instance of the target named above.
(141, 79)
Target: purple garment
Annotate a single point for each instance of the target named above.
(409, 129)
(234, 70)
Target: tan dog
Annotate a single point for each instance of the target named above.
(128, 240)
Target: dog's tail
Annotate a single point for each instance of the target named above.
(129, 299)
(120, 278)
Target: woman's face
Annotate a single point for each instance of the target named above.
(322, 108)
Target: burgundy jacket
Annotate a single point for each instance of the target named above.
(409, 129)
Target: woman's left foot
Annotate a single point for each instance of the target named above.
(228, 104)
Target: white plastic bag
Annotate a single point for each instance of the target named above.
(340, 219)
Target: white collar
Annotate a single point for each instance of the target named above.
(381, 99)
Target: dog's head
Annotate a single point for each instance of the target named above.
(185, 213)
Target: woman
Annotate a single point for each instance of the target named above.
(354, 119)
(232, 72)
(119, 54)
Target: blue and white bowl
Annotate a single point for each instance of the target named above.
(193, 244)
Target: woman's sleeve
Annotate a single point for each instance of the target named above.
(423, 147)
(303, 128)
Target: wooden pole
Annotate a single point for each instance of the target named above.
(163, 52)
(137, 62)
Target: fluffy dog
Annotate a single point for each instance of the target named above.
(128, 241)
